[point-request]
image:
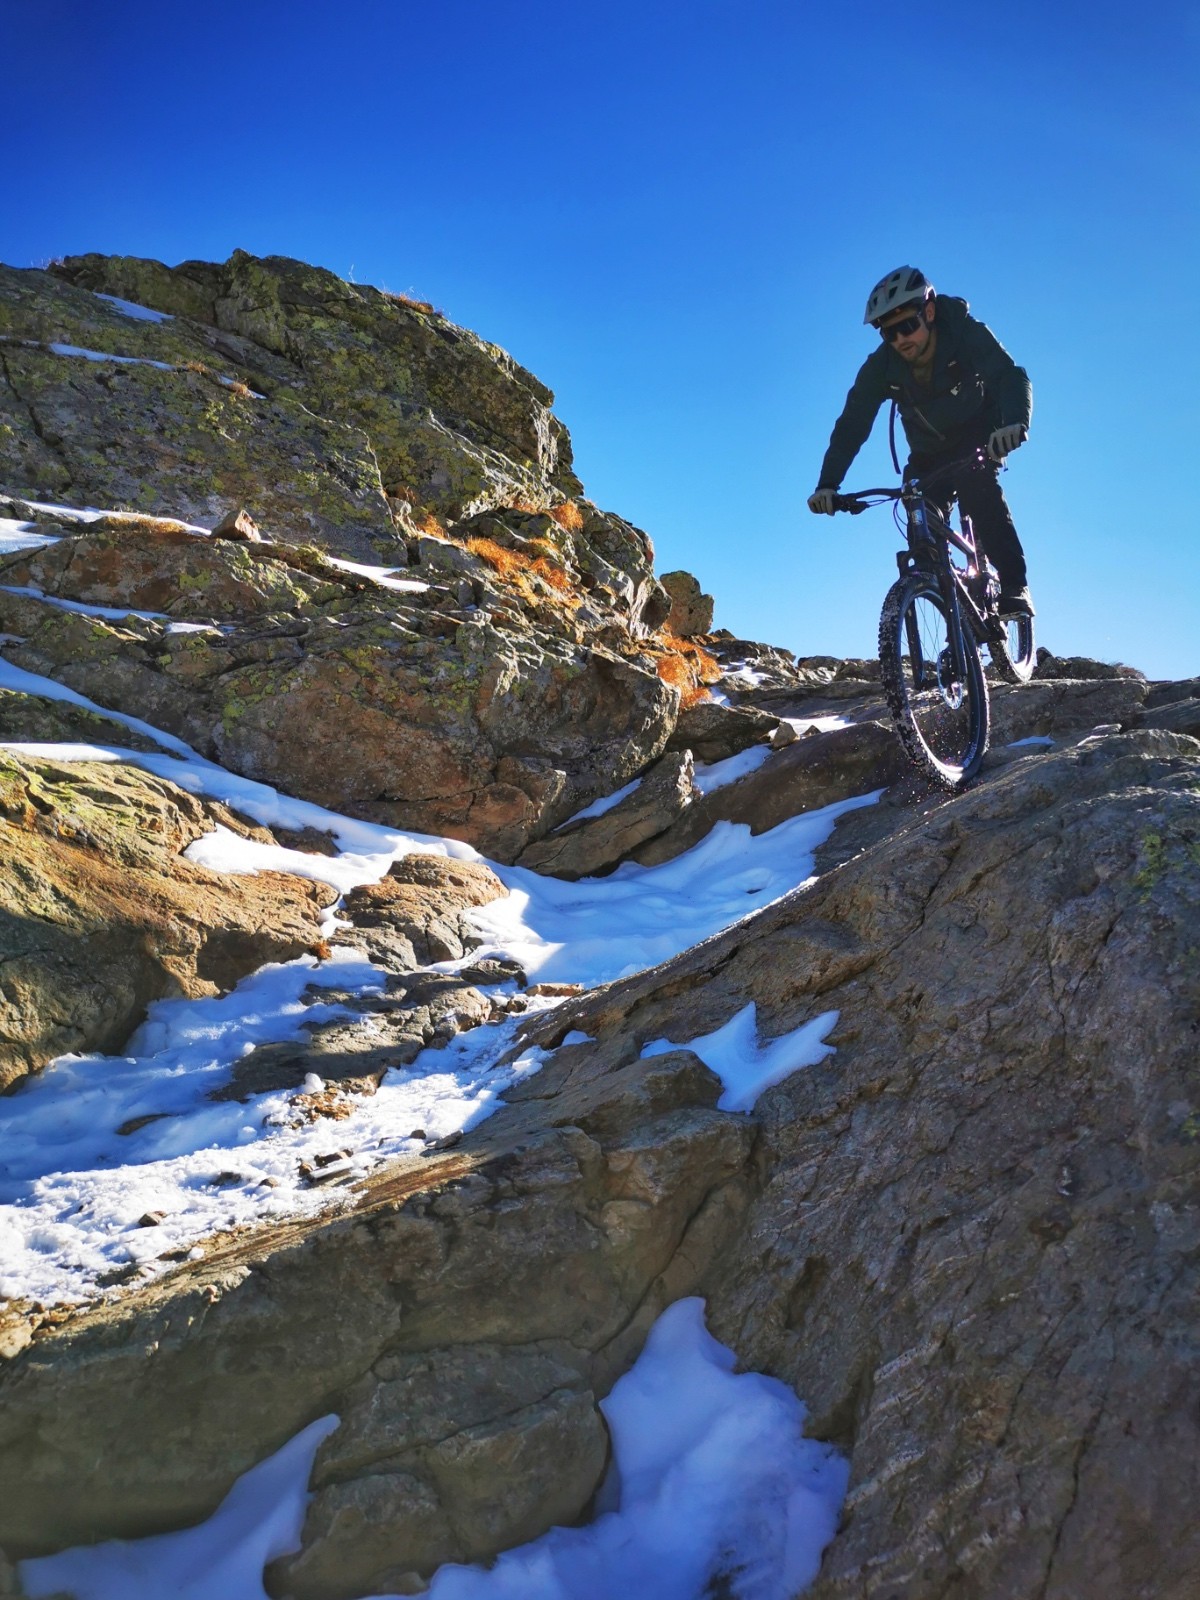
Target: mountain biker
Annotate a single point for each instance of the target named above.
(956, 389)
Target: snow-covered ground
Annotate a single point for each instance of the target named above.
(118, 1164)
(111, 1163)
(711, 1477)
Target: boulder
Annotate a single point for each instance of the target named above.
(1081, 667)
(691, 611)
(238, 525)
(1059, 706)
(712, 731)
(415, 712)
(596, 845)
(807, 774)
(415, 915)
(100, 913)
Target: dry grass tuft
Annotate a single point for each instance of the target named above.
(431, 525)
(411, 303)
(568, 516)
(685, 665)
(517, 568)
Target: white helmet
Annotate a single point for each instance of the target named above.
(900, 288)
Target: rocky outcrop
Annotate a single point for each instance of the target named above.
(417, 710)
(964, 1236)
(1173, 706)
(340, 415)
(1057, 707)
(807, 775)
(462, 1318)
(596, 845)
(691, 611)
(100, 914)
(510, 668)
(1051, 667)
(713, 732)
(397, 367)
(974, 1248)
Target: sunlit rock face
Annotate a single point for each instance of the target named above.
(962, 1226)
(511, 672)
(100, 914)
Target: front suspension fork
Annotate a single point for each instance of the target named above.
(921, 539)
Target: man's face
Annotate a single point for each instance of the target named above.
(913, 345)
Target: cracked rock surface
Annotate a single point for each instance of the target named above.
(974, 1250)
(967, 1237)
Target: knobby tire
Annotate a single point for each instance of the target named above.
(1015, 655)
(942, 724)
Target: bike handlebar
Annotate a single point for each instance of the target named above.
(857, 500)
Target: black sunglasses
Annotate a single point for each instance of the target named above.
(899, 330)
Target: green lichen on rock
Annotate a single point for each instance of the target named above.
(36, 719)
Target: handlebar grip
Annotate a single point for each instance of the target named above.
(845, 502)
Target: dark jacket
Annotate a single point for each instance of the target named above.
(977, 386)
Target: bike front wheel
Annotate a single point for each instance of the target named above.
(1014, 654)
(941, 716)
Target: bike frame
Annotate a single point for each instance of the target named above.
(930, 538)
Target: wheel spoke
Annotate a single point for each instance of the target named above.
(941, 715)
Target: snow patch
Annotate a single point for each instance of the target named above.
(803, 725)
(747, 1068)
(717, 1491)
(113, 613)
(599, 807)
(259, 1520)
(83, 515)
(600, 929)
(103, 355)
(128, 308)
(95, 1145)
(716, 774)
(383, 575)
(16, 536)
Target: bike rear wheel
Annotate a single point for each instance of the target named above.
(942, 721)
(1014, 656)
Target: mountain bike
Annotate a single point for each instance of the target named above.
(936, 617)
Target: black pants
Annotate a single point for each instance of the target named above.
(981, 498)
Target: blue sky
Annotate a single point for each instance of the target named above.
(673, 215)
